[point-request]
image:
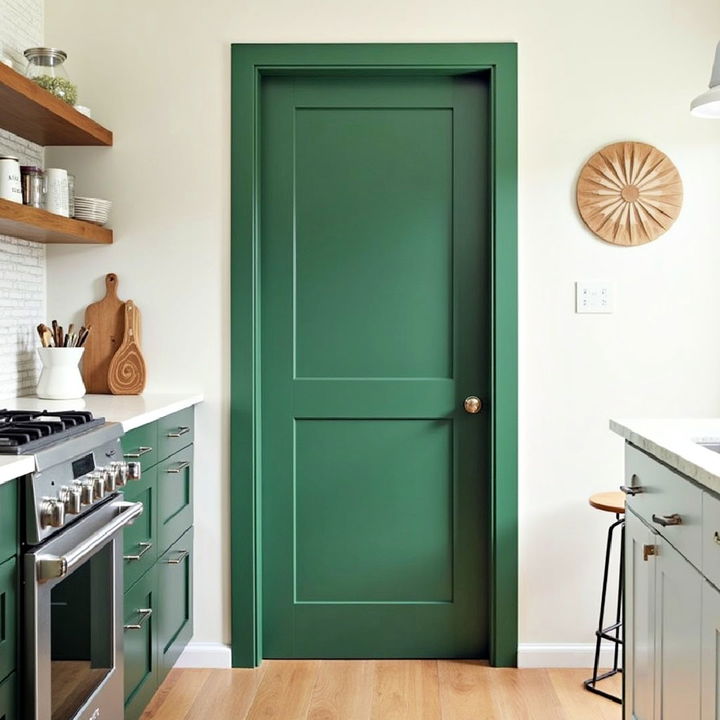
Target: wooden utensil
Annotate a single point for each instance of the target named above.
(108, 320)
(127, 373)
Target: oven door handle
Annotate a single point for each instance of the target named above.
(50, 567)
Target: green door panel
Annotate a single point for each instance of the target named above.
(175, 432)
(141, 445)
(8, 519)
(8, 617)
(375, 307)
(140, 543)
(174, 497)
(140, 641)
(175, 612)
(8, 698)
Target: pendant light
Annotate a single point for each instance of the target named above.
(707, 105)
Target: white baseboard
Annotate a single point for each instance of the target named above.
(569, 655)
(205, 655)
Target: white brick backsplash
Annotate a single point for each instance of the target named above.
(22, 263)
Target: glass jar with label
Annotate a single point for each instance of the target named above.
(46, 67)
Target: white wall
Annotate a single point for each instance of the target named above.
(22, 263)
(159, 75)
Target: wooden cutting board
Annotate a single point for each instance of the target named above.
(127, 374)
(107, 318)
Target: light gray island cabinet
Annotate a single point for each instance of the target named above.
(672, 601)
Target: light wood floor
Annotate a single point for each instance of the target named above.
(379, 690)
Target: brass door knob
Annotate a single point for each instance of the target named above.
(472, 404)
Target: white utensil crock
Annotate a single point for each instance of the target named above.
(57, 199)
(60, 378)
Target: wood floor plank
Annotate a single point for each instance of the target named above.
(578, 702)
(285, 690)
(406, 690)
(526, 695)
(227, 694)
(343, 691)
(184, 688)
(465, 690)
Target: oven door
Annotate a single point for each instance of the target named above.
(73, 619)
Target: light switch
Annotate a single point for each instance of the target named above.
(593, 296)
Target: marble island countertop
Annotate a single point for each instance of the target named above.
(675, 442)
(130, 410)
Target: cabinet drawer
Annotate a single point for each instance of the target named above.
(8, 519)
(175, 618)
(140, 636)
(141, 445)
(175, 492)
(140, 544)
(8, 617)
(175, 432)
(8, 698)
(662, 495)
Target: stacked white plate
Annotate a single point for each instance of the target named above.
(92, 210)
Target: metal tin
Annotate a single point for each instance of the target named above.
(32, 185)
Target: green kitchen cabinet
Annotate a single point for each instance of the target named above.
(8, 520)
(140, 635)
(8, 698)
(8, 616)
(175, 612)
(140, 543)
(175, 490)
(175, 432)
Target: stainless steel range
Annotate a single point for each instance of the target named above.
(72, 562)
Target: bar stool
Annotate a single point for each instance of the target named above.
(613, 502)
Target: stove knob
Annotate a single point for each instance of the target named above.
(71, 499)
(52, 513)
(87, 492)
(110, 475)
(98, 480)
(134, 471)
(121, 473)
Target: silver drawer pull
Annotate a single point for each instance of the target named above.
(716, 537)
(182, 430)
(143, 615)
(666, 520)
(182, 554)
(628, 490)
(142, 450)
(179, 467)
(145, 547)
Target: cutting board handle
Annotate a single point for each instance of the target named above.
(111, 285)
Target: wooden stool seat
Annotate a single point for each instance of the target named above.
(613, 502)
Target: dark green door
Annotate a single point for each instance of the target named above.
(375, 327)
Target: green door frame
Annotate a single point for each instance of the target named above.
(249, 64)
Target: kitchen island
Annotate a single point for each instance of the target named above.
(672, 568)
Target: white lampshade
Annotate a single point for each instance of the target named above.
(707, 105)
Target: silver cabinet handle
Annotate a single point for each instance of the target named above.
(716, 537)
(182, 554)
(179, 467)
(50, 567)
(143, 615)
(632, 489)
(666, 520)
(145, 547)
(182, 430)
(142, 450)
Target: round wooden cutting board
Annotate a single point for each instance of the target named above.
(629, 193)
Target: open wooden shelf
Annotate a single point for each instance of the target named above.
(33, 113)
(29, 223)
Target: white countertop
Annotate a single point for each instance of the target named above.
(130, 410)
(675, 443)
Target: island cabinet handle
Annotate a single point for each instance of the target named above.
(182, 554)
(145, 547)
(179, 467)
(142, 450)
(143, 615)
(666, 520)
(632, 489)
(716, 537)
(182, 430)
(649, 551)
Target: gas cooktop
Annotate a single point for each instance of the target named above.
(24, 432)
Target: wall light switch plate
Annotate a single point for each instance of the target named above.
(594, 296)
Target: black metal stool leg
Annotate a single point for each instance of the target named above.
(612, 633)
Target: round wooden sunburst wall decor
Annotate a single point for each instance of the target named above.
(629, 193)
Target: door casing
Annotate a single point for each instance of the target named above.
(250, 63)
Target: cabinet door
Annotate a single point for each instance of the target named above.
(8, 617)
(678, 598)
(175, 624)
(141, 445)
(8, 699)
(140, 545)
(710, 653)
(175, 492)
(639, 681)
(140, 636)
(8, 520)
(175, 432)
